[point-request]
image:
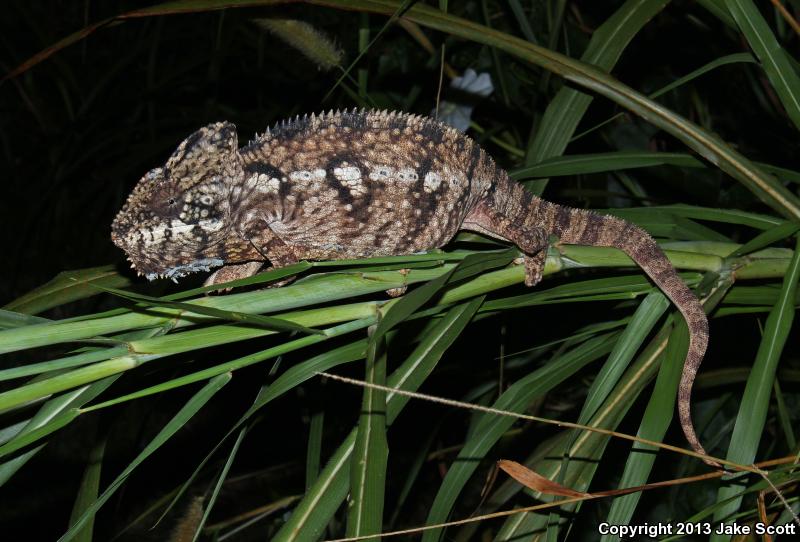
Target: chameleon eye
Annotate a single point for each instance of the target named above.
(171, 201)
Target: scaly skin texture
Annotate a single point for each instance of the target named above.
(358, 184)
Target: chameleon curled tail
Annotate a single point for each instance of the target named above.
(538, 218)
(643, 250)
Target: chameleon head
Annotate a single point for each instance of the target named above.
(177, 218)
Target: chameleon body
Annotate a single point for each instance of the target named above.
(357, 184)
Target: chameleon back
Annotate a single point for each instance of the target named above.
(346, 185)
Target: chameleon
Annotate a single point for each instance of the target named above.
(360, 183)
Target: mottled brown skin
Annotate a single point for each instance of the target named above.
(358, 184)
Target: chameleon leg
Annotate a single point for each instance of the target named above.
(532, 241)
(272, 247)
(269, 245)
(233, 272)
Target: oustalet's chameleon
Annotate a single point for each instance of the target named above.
(357, 184)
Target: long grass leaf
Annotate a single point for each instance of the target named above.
(56, 47)
(773, 58)
(472, 265)
(752, 414)
(702, 70)
(489, 429)
(63, 363)
(326, 495)
(644, 319)
(314, 448)
(72, 379)
(291, 378)
(239, 363)
(331, 287)
(370, 454)
(590, 446)
(223, 475)
(717, 8)
(271, 275)
(522, 20)
(727, 216)
(656, 419)
(767, 238)
(11, 319)
(88, 491)
(576, 164)
(52, 412)
(267, 322)
(784, 415)
(66, 287)
(568, 107)
(179, 420)
(40, 432)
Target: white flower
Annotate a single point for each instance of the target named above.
(458, 115)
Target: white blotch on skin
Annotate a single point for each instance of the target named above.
(350, 177)
(407, 175)
(432, 181)
(347, 174)
(263, 183)
(301, 175)
(381, 173)
(211, 224)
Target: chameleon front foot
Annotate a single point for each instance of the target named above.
(534, 268)
(397, 292)
(232, 272)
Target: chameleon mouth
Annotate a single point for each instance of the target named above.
(151, 271)
(151, 268)
(174, 273)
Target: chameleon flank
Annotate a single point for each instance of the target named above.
(357, 184)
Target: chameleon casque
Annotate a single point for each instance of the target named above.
(357, 184)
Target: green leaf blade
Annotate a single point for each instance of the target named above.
(773, 57)
(370, 455)
(750, 421)
(197, 401)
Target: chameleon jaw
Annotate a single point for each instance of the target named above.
(178, 271)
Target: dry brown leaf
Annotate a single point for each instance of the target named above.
(536, 482)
